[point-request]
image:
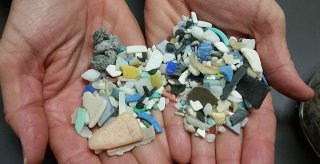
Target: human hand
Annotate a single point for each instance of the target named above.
(46, 46)
(262, 20)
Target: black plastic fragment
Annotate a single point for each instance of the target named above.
(179, 32)
(235, 79)
(176, 89)
(146, 91)
(238, 116)
(201, 116)
(253, 90)
(144, 57)
(188, 24)
(170, 47)
(180, 50)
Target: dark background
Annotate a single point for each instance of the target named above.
(303, 36)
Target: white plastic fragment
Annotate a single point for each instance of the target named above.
(136, 49)
(162, 103)
(207, 109)
(250, 43)
(210, 36)
(196, 105)
(244, 122)
(183, 77)
(94, 105)
(168, 57)
(253, 59)
(221, 47)
(210, 138)
(194, 17)
(114, 102)
(85, 132)
(221, 129)
(122, 102)
(154, 61)
(223, 105)
(120, 62)
(112, 71)
(162, 46)
(197, 32)
(201, 132)
(150, 104)
(228, 59)
(91, 75)
(204, 24)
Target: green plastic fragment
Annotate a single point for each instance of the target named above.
(144, 75)
(221, 35)
(155, 95)
(242, 105)
(155, 107)
(146, 123)
(137, 110)
(79, 124)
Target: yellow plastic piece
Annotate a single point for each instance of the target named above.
(156, 80)
(130, 72)
(219, 118)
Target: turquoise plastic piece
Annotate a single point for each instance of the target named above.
(79, 124)
(221, 35)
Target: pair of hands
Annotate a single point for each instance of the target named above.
(46, 46)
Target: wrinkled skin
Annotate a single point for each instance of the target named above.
(260, 19)
(46, 46)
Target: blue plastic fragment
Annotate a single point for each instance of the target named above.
(264, 80)
(151, 120)
(227, 72)
(115, 93)
(171, 67)
(221, 35)
(107, 113)
(128, 59)
(204, 51)
(237, 55)
(134, 98)
(88, 88)
(121, 48)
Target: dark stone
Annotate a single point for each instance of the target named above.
(203, 95)
(235, 79)
(201, 116)
(188, 24)
(99, 62)
(99, 36)
(144, 57)
(252, 90)
(238, 116)
(153, 71)
(170, 47)
(179, 32)
(176, 89)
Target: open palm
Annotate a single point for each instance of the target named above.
(259, 19)
(45, 48)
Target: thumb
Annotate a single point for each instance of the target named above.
(280, 70)
(277, 64)
(23, 107)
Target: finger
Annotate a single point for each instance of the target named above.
(157, 150)
(125, 158)
(23, 107)
(178, 139)
(202, 151)
(280, 71)
(259, 135)
(228, 146)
